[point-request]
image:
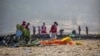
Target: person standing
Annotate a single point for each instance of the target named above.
(43, 31)
(86, 30)
(22, 28)
(34, 30)
(23, 24)
(27, 26)
(61, 32)
(18, 32)
(39, 30)
(79, 29)
(27, 33)
(53, 30)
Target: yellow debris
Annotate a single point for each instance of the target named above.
(67, 39)
(78, 43)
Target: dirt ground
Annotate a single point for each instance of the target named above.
(89, 48)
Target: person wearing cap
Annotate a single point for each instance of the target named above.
(53, 30)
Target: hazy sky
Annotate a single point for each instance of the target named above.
(66, 12)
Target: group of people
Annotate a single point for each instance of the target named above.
(23, 31)
(79, 29)
(42, 30)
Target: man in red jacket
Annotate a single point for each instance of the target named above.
(53, 30)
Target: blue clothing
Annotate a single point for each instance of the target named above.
(18, 33)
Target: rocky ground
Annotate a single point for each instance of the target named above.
(89, 48)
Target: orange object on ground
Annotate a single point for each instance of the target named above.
(42, 43)
(58, 42)
(45, 43)
(71, 43)
(66, 40)
(55, 41)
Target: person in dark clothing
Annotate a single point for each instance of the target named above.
(2, 40)
(61, 32)
(39, 30)
(86, 30)
(27, 34)
(79, 29)
(34, 30)
(27, 26)
(74, 32)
